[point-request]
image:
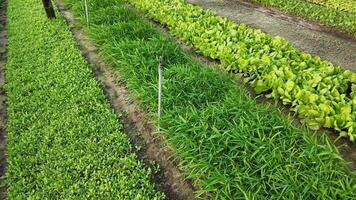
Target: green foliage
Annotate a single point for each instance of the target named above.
(345, 21)
(269, 64)
(64, 140)
(230, 146)
(342, 5)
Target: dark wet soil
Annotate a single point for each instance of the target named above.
(303, 35)
(137, 124)
(3, 47)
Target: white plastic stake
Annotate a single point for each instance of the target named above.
(160, 81)
(86, 11)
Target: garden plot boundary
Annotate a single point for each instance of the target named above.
(137, 126)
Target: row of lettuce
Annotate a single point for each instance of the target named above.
(342, 5)
(64, 140)
(326, 15)
(323, 95)
(227, 144)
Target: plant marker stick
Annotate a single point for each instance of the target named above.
(86, 11)
(47, 4)
(160, 80)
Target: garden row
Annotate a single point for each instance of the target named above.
(64, 140)
(227, 144)
(323, 95)
(342, 5)
(344, 21)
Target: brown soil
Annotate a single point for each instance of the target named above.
(137, 125)
(3, 47)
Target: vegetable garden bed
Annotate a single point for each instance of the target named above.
(323, 95)
(64, 140)
(307, 36)
(230, 146)
(150, 145)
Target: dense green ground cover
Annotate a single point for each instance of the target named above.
(230, 146)
(64, 140)
(342, 5)
(329, 16)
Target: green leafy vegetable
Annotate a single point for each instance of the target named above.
(64, 140)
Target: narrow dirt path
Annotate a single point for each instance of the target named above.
(3, 47)
(304, 36)
(136, 123)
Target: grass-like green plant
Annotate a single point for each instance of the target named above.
(64, 140)
(230, 146)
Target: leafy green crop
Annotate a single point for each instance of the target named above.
(228, 145)
(325, 15)
(64, 140)
(342, 5)
(322, 94)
